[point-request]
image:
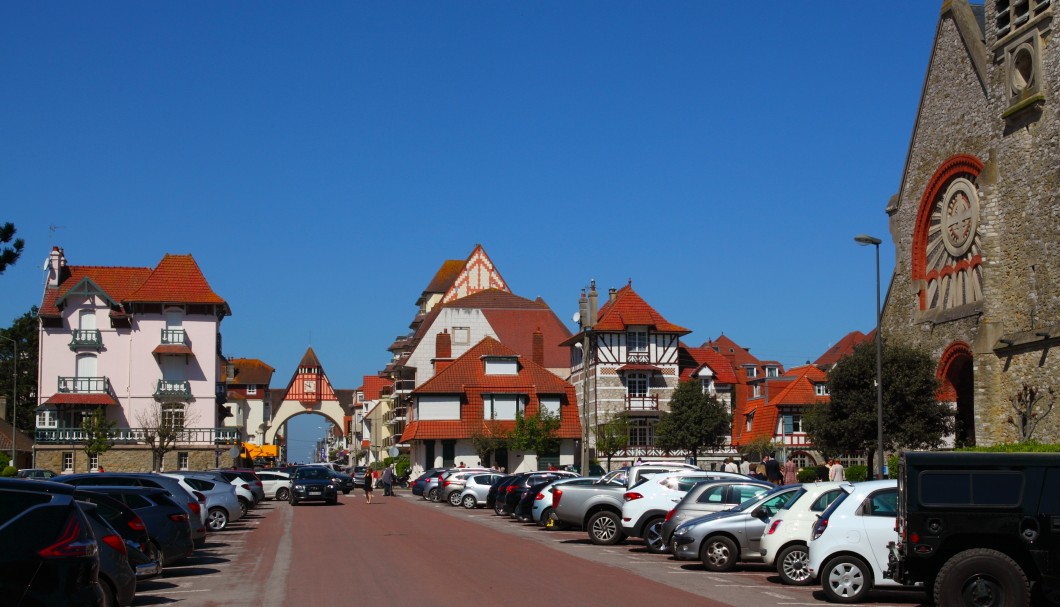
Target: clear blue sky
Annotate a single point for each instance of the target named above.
(321, 160)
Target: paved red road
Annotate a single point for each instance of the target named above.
(395, 552)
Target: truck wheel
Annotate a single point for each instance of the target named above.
(605, 529)
(981, 578)
(846, 579)
(718, 553)
(791, 565)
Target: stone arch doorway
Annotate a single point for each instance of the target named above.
(296, 447)
(958, 379)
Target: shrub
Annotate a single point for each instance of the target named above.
(807, 475)
(1030, 446)
(9, 471)
(856, 474)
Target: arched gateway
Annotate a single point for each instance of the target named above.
(309, 391)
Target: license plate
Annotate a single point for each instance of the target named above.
(314, 492)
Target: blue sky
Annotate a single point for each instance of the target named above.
(321, 160)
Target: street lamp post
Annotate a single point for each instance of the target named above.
(865, 239)
(14, 398)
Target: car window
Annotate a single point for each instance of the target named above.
(794, 498)
(15, 503)
(712, 495)
(742, 493)
(821, 503)
(883, 503)
(136, 501)
(198, 483)
(772, 505)
(685, 483)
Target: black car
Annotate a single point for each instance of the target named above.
(49, 556)
(420, 484)
(115, 573)
(496, 490)
(167, 522)
(344, 481)
(144, 557)
(313, 483)
(521, 485)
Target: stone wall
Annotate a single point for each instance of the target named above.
(127, 459)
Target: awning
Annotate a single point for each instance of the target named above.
(638, 367)
(73, 398)
(172, 349)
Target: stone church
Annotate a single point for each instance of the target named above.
(976, 221)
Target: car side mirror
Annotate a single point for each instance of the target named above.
(761, 512)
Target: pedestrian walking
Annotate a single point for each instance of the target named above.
(773, 473)
(368, 487)
(388, 480)
(836, 472)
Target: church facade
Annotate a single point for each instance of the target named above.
(976, 221)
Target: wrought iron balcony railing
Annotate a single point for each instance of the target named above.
(173, 390)
(85, 338)
(84, 385)
(173, 337)
(218, 436)
(647, 402)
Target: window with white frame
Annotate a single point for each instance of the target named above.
(503, 406)
(502, 365)
(252, 390)
(750, 421)
(642, 432)
(182, 460)
(772, 371)
(751, 371)
(820, 389)
(93, 461)
(637, 384)
(173, 415)
(68, 461)
(550, 404)
(461, 335)
(637, 341)
(707, 383)
(756, 390)
(791, 424)
(47, 417)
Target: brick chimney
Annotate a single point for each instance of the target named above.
(443, 351)
(56, 262)
(537, 353)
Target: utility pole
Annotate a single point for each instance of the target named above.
(587, 319)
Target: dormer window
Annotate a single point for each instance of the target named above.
(820, 389)
(756, 391)
(501, 365)
(752, 372)
(772, 371)
(637, 341)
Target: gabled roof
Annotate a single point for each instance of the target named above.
(309, 359)
(628, 309)
(795, 388)
(739, 355)
(693, 360)
(469, 371)
(842, 348)
(373, 386)
(177, 279)
(445, 276)
(23, 442)
(117, 283)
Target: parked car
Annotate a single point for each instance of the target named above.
(190, 503)
(646, 505)
(344, 482)
(520, 494)
(702, 500)
(849, 548)
(491, 495)
(785, 542)
(49, 556)
(144, 556)
(722, 539)
(542, 507)
(452, 483)
(277, 485)
(249, 477)
(115, 573)
(313, 483)
(244, 494)
(421, 481)
(595, 470)
(37, 473)
(167, 522)
(222, 505)
(476, 488)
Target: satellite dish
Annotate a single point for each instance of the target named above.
(577, 317)
(393, 451)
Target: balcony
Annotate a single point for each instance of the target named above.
(404, 386)
(173, 337)
(188, 436)
(84, 385)
(640, 358)
(86, 338)
(644, 402)
(396, 416)
(171, 390)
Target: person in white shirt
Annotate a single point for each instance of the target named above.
(730, 466)
(835, 471)
(745, 467)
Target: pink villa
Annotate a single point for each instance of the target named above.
(143, 345)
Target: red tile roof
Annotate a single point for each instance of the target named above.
(172, 349)
(706, 357)
(445, 276)
(373, 386)
(843, 347)
(177, 279)
(66, 398)
(117, 283)
(251, 371)
(628, 308)
(794, 389)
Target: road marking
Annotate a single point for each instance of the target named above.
(182, 591)
(775, 595)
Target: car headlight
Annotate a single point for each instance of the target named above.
(682, 530)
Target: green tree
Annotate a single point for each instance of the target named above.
(9, 254)
(913, 418)
(535, 433)
(696, 420)
(488, 440)
(753, 451)
(99, 432)
(611, 437)
(24, 331)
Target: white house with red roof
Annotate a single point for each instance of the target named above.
(144, 345)
(775, 409)
(479, 394)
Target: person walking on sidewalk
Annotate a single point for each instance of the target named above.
(388, 480)
(368, 487)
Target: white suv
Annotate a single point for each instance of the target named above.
(785, 540)
(848, 550)
(645, 506)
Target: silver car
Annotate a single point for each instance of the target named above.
(543, 507)
(221, 507)
(243, 493)
(476, 487)
(724, 538)
(451, 484)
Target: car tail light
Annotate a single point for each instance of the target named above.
(446, 483)
(629, 496)
(511, 488)
(670, 515)
(179, 518)
(773, 527)
(137, 524)
(246, 487)
(72, 542)
(556, 494)
(820, 527)
(539, 496)
(115, 542)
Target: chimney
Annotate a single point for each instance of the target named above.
(583, 311)
(443, 345)
(538, 350)
(56, 262)
(612, 294)
(592, 303)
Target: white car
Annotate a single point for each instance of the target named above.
(848, 549)
(277, 485)
(645, 506)
(786, 539)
